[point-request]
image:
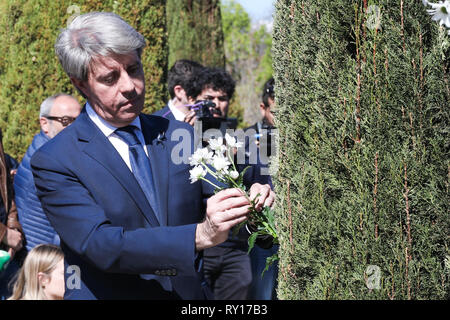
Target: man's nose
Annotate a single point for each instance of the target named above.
(127, 84)
(216, 102)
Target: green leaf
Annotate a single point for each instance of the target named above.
(269, 261)
(251, 241)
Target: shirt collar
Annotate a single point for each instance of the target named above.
(177, 113)
(103, 125)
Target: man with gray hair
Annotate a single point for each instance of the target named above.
(107, 182)
(56, 113)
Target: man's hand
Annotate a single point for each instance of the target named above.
(224, 210)
(266, 195)
(13, 239)
(190, 118)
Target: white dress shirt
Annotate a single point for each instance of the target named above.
(108, 130)
(177, 113)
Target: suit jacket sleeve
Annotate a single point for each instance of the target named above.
(84, 227)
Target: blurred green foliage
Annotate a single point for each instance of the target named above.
(30, 70)
(195, 32)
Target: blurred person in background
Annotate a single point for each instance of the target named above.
(179, 77)
(41, 276)
(263, 287)
(56, 113)
(11, 237)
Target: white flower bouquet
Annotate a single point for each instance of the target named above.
(216, 159)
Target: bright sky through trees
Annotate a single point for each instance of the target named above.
(258, 9)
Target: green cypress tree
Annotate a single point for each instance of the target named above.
(248, 59)
(362, 94)
(195, 32)
(30, 70)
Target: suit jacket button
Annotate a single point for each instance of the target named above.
(157, 272)
(174, 272)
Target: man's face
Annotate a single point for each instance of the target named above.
(115, 88)
(267, 112)
(220, 98)
(63, 106)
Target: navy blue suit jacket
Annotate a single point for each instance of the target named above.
(107, 227)
(165, 113)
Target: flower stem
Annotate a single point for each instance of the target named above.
(217, 187)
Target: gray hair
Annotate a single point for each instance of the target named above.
(47, 104)
(95, 34)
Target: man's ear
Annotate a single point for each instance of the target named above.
(180, 93)
(262, 108)
(45, 125)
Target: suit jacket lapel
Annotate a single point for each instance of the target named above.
(98, 147)
(154, 134)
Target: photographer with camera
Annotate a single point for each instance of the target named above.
(178, 107)
(227, 266)
(262, 131)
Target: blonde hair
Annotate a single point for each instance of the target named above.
(42, 258)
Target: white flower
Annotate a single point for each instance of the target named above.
(200, 156)
(232, 141)
(216, 144)
(440, 12)
(197, 173)
(234, 174)
(221, 164)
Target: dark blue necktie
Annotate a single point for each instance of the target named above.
(140, 165)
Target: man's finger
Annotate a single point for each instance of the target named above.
(270, 199)
(230, 224)
(234, 213)
(263, 191)
(229, 203)
(227, 193)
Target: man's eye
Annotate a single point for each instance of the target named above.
(223, 99)
(133, 70)
(108, 80)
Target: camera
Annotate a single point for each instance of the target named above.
(205, 110)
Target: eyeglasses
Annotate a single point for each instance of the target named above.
(65, 120)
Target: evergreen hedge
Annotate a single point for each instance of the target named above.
(30, 71)
(363, 136)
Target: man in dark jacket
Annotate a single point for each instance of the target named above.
(260, 134)
(56, 113)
